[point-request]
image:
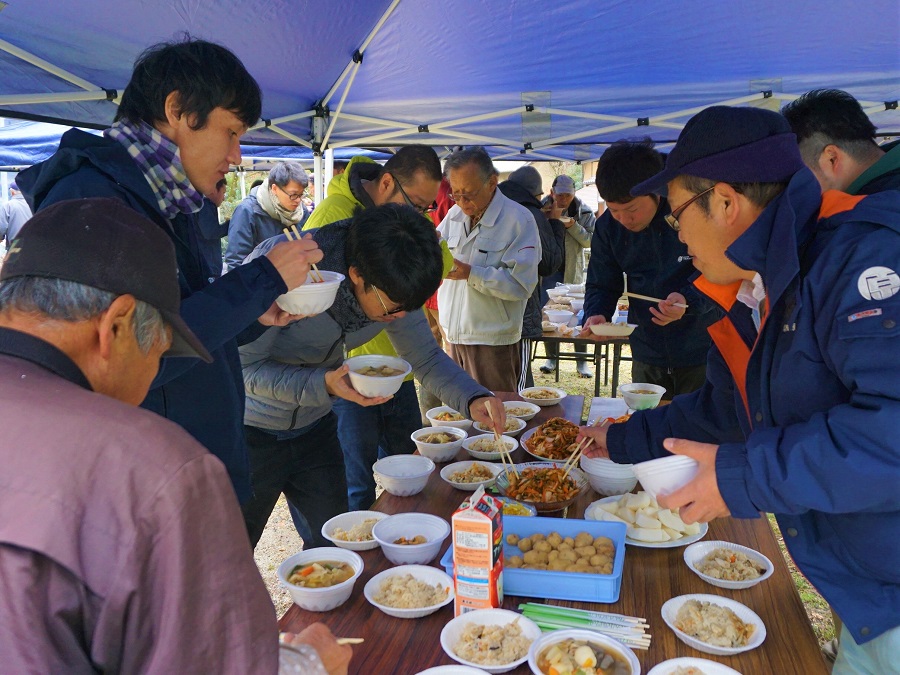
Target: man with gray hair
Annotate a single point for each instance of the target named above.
(13, 215)
(277, 204)
(496, 249)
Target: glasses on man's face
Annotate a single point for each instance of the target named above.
(409, 202)
(672, 218)
(293, 196)
(387, 312)
(468, 196)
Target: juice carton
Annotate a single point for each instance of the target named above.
(478, 553)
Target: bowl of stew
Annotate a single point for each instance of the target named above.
(320, 579)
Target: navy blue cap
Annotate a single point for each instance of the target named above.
(731, 145)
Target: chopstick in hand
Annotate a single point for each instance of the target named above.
(505, 451)
(315, 273)
(582, 446)
(350, 641)
(650, 298)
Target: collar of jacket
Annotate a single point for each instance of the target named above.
(30, 348)
(358, 173)
(518, 194)
(887, 163)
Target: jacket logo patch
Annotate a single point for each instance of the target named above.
(865, 314)
(878, 283)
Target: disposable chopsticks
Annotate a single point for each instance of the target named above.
(573, 460)
(650, 298)
(316, 274)
(629, 629)
(505, 454)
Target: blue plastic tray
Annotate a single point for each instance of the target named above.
(559, 585)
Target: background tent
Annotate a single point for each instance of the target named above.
(525, 78)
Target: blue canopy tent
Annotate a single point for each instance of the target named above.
(523, 78)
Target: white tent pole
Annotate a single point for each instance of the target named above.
(47, 66)
(28, 99)
(293, 137)
(319, 192)
(281, 120)
(583, 134)
(585, 115)
(329, 166)
(340, 105)
(353, 117)
(242, 174)
(530, 155)
(694, 111)
(459, 138)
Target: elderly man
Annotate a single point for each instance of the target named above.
(837, 142)
(496, 250)
(801, 409)
(176, 132)
(113, 518)
(264, 214)
(13, 215)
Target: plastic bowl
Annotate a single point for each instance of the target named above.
(434, 412)
(451, 469)
(560, 395)
(371, 386)
(548, 639)
(346, 521)
(320, 599)
(670, 611)
(607, 477)
(408, 525)
(516, 424)
(577, 475)
(403, 475)
(559, 315)
(439, 452)
(429, 575)
(666, 474)
(641, 401)
(695, 553)
(613, 329)
(453, 631)
(557, 292)
(577, 304)
(511, 444)
(513, 406)
(312, 297)
(519, 507)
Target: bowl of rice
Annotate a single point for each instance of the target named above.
(485, 446)
(469, 475)
(353, 530)
(521, 409)
(728, 565)
(495, 640)
(714, 624)
(409, 591)
(514, 427)
(439, 444)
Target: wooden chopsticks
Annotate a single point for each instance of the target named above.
(505, 453)
(340, 641)
(316, 274)
(582, 446)
(650, 298)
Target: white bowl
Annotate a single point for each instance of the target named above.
(371, 386)
(312, 297)
(577, 304)
(403, 475)
(429, 575)
(613, 329)
(453, 631)
(451, 469)
(548, 639)
(439, 452)
(511, 443)
(434, 412)
(703, 665)
(670, 611)
(695, 553)
(557, 292)
(346, 521)
(408, 525)
(452, 670)
(641, 401)
(518, 425)
(666, 474)
(607, 477)
(576, 288)
(320, 599)
(560, 395)
(512, 405)
(558, 315)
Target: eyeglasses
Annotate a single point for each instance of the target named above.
(293, 196)
(672, 218)
(468, 196)
(387, 312)
(409, 202)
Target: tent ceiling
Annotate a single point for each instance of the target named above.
(518, 75)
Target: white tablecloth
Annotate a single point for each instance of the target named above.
(606, 407)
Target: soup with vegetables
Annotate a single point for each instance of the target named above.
(580, 657)
(320, 574)
(380, 371)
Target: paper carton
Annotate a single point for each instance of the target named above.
(478, 553)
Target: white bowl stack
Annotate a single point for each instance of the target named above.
(439, 452)
(607, 477)
(403, 475)
(312, 297)
(371, 386)
(408, 525)
(320, 599)
(666, 474)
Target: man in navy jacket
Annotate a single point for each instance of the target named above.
(800, 412)
(175, 134)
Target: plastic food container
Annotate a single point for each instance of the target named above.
(371, 386)
(321, 599)
(312, 297)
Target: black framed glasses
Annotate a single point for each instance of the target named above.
(424, 210)
(468, 196)
(293, 196)
(672, 218)
(387, 312)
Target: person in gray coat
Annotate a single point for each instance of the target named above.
(13, 215)
(277, 204)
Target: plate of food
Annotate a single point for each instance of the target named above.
(542, 484)
(542, 396)
(613, 329)
(409, 591)
(353, 530)
(521, 409)
(648, 525)
(470, 474)
(551, 441)
(714, 624)
(514, 426)
(728, 565)
(487, 447)
(688, 665)
(496, 640)
(445, 416)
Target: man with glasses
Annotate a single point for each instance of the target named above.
(670, 343)
(496, 250)
(276, 205)
(800, 412)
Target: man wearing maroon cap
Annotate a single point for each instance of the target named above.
(800, 412)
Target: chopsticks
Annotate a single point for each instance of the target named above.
(650, 298)
(316, 274)
(631, 630)
(505, 454)
(582, 446)
(340, 641)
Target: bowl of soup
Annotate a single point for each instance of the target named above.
(314, 296)
(377, 374)
(573, 651)
(320, 579)
(641, 395)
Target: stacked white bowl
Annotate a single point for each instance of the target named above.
(607, 477)
(403, 475)
(665, 474)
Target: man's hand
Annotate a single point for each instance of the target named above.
(292, 259)
(335, 657)
(338, 384)
(460, 271)
(666, 312)
(586, 331)
(275, 316)
(478, 409)
(552, 211)
(598, 435)
(700, 500)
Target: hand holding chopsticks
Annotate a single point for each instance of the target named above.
(316, 274)
(582, 446)
(505, 454)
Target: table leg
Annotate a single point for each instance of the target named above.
(617, 356)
